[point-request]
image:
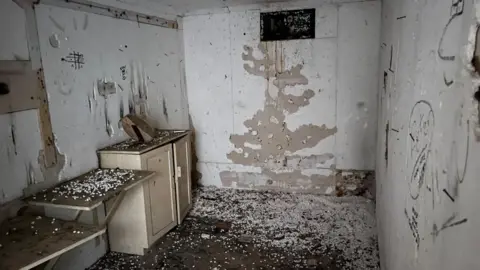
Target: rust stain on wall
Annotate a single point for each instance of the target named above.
(269, 143)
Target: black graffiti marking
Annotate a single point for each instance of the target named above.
(418, 174)
(455, 11)
(89, 104)
(401, 17)
(14, 140)
(75, 58)
(448, 224)
(421, 134)
(413, 225)
(396, 130)
(386, 144)
(446, 81)
(391, 59)
(448, 194)
(457, 7)
(385, 81)
(123, 70)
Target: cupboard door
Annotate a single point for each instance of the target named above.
(161, 191)
(183, 183)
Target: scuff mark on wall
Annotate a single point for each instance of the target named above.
(165, 110)
(138, 89)
(14, 141)
(31, 179)
(196, 175)
(74, 23)
(56, 24)
(85, 22)
(121, 113)
(269, 142)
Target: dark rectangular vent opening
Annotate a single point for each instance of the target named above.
(289, 24)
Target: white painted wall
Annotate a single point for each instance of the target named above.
(340, 65)
(428, 137)
(152, 57)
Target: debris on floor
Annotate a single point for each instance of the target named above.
(239, 229)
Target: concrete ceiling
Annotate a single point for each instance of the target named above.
(184, 7)
(188, 6)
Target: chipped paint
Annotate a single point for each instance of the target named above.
(352, 182)
(269, 142)
(48, 176)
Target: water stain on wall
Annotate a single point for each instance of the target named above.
(269, 142)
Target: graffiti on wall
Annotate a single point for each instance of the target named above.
(429, 198)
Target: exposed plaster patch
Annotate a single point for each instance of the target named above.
(291, 179)
(269, 142)
(352, 182)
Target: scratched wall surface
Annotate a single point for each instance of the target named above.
(266, 114)
(98, 69)
(427, 153)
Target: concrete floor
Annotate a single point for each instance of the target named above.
(236, 229)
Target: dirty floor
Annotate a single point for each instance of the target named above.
(238, 229)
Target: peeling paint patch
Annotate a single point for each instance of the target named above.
(289, 179)
(269, 141)
(49, 175)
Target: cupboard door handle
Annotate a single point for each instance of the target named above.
(179, 171)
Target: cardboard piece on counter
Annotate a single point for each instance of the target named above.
(137, 128)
